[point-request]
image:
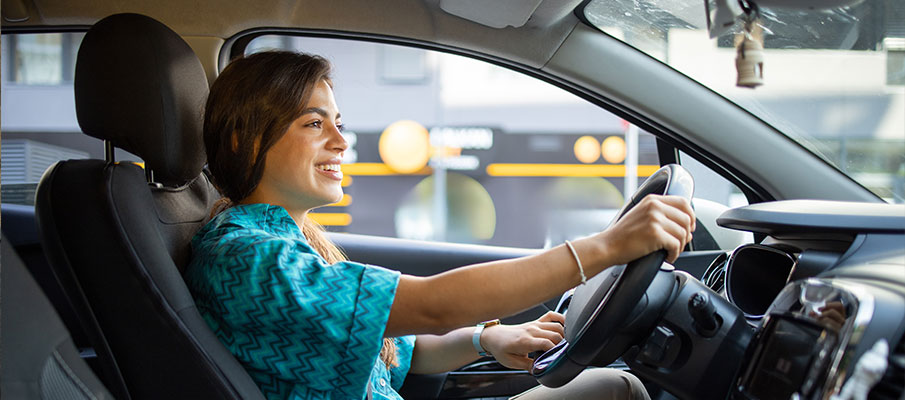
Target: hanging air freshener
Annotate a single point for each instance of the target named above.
(749, 59)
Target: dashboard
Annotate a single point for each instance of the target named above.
(814, 310)
(825, 285)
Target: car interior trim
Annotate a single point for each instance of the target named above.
(816, 217)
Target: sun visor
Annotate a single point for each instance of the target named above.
(495, 14)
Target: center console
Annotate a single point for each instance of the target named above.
(804, 349)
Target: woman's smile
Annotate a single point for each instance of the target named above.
(331, 169)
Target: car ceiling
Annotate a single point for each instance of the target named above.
(531, 44)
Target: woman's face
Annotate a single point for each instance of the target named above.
(301, 170)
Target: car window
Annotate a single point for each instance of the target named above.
(708, 185)
(713, 194)
(505, 159)
(38, 112)
(448, 148)
(833, 79)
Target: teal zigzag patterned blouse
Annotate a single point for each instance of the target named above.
(302, 328)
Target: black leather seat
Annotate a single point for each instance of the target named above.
(117, 242)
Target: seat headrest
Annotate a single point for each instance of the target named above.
(141, 87)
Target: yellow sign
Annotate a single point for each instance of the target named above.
(598, 170)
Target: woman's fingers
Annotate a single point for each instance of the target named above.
(674, 214)
(552, 327)
(673, 247)
(534, 336)
(538, 344)
(674, 236)
(550, 333)
(553, 316)
(657, 222)
(683, 205)
(684, 218)
(515, 342)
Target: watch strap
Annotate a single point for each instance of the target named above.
(476, 336)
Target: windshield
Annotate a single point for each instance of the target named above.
(833, 80)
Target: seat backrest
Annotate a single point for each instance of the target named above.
(37, 366)
(118, 243)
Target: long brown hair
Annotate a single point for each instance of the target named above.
(251, 105)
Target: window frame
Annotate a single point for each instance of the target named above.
(668, 141)
(13, 32)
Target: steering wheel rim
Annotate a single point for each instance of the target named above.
(590, 331)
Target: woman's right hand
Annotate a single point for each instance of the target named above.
(657, 222)
(511, 344)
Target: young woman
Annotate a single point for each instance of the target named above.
(305, 322)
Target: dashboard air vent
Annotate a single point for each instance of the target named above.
(892, 385)
(715, 275)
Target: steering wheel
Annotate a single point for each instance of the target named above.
(591, 331)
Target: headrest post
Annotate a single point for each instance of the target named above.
(109, 152)
(149, 174)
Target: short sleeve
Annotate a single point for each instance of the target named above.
(286, 313)
(405, 346)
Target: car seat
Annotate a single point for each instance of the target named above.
(37, 366)
(118, 235)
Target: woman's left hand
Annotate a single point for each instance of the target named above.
(511, 344)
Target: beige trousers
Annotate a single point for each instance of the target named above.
(598, 383)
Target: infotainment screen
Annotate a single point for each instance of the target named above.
(789, 350)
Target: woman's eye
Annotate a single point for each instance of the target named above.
(341, 127)
(315, 124)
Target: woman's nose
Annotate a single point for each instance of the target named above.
(338, 141)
